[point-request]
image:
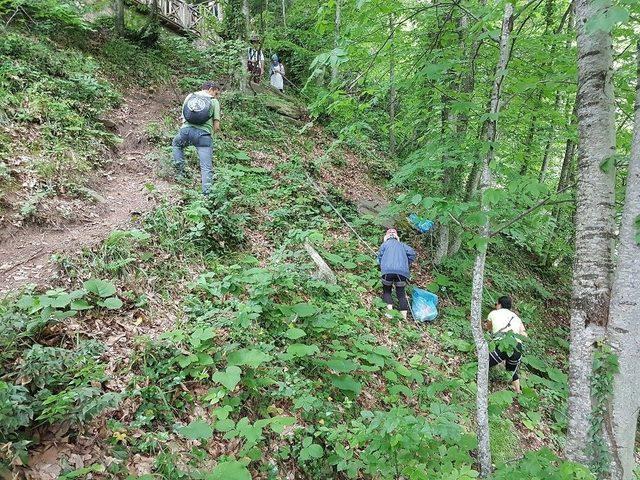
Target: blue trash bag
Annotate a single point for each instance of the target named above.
(421, 224)
(424, 305)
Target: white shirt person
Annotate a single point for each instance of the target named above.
(276, 73)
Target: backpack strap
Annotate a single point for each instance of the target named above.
(495, 335)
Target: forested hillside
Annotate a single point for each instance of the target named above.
(150, 330)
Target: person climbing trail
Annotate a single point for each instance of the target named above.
(255, 60)
(276, 73)
(500, 321)
(395, 259)
(200, 118)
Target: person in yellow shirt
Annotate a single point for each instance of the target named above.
(500, 321)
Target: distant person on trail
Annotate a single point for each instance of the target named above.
(276, 73)
(395, 258)
(200, 118)
(255, 60)
(500, 321)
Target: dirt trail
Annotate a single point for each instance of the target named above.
(120, 196)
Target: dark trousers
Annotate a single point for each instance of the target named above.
(512, 362)
(403, 303)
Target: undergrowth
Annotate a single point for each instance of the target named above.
(260, 367)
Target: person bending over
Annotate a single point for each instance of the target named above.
(200, 118)
(395, 259)
(500, 321)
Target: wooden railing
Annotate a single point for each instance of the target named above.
(183, 15)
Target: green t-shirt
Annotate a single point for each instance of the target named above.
(214, 112)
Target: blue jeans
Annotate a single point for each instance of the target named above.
(204, 145)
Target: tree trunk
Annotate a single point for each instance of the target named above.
(482, 348)
(119, 9)
(567, 160)
(284, 14)
(467, 85)
(550, 139)
(392, 88)
(528, 142)
(624, 317)
(153, 11)
(593, 219)
(247, 18)
(336, 40)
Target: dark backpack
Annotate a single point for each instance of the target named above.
(196, 109)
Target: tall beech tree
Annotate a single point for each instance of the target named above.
(623, 330)
(593, 218)
(482, 349)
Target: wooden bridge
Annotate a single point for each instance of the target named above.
(184, 16)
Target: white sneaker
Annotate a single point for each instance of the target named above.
(389, 315)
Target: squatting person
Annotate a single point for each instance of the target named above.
(395, 259)
(500, 321)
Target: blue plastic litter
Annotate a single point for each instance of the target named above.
(421, 224)
(424, 305)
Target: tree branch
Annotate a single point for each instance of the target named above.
(529, 210)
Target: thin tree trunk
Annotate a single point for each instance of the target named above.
(247, 18)
(482, 348)
(284, 14)
(567, 160)
(547, 146)
(392, 87)
(624, 317)
(467, 85)
(593, 219)
(443, 230)
(528, 142)
(336, 40)
(153, 11)
(119, 9)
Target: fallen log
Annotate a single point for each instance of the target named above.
(324, 271)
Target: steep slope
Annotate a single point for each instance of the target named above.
(198, 342)
(116, 193)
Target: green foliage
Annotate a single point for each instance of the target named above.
(45, 384)
(51, 101)
(605, 366)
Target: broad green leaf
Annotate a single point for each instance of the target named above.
(225, 425)
(112, 303)
(608, 164)
(201, 335)
(341, 365)
(102, 288)
(229, 378)
(305, 309)
(229, 470)
(279, 423)
(80, 304)
(294, 333)
(196, 430)
(26, 302)
(61, 300)
(402, 370)
(346, 383)
(250, 357)
(302, 350)
(406, 391)
(313, 451)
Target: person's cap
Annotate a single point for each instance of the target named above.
(391, 233)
